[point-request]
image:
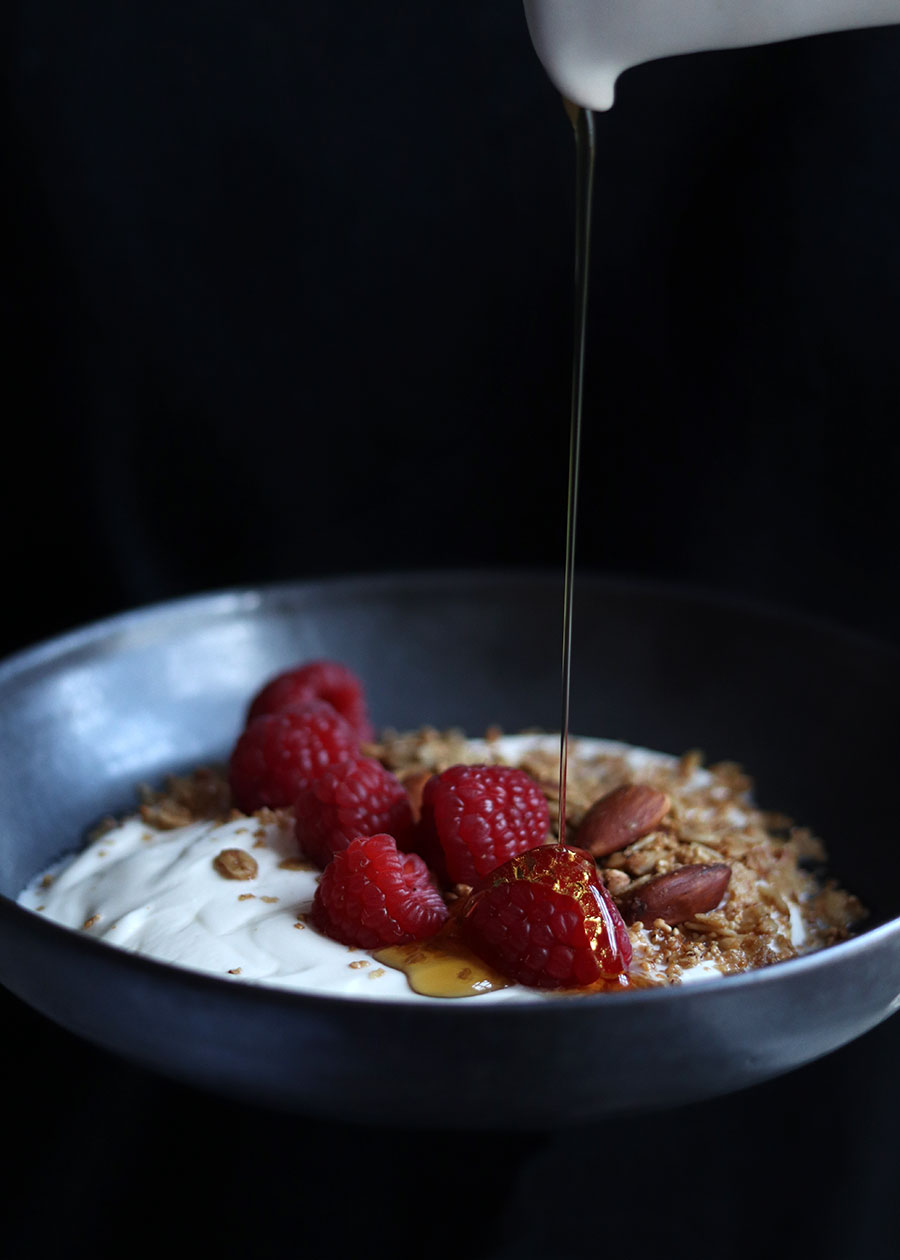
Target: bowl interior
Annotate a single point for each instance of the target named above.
(809, 711)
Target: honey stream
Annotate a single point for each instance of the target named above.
(444, 966)
(585, 149)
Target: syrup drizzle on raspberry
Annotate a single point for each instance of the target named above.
(583, 123)
(445, 967)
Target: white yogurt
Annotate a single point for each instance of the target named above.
(158, 893)
(585, 45)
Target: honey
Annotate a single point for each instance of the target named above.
(442, 967)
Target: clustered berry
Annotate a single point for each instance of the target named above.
(539, 913)
(545, 918)
(350, 799)
(372, 895)
(318, 680)
(475, 817)
(279, 754)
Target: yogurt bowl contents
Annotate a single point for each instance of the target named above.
(706, 882)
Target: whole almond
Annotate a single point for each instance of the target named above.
(621, 816)
(677, 896)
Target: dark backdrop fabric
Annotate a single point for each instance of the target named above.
(289, 294)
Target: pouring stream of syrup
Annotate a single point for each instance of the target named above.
(585, 147)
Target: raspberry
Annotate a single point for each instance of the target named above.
(317, 680)
(355, 798)
(372, 895)
(475, 817)
(279, 754)
(545, 919)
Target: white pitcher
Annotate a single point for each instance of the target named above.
(585, 45)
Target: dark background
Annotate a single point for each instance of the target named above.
(289, 294)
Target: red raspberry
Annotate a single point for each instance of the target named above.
(355, 798)
(317, 680)
(546, 919)
(278, 754)
(475, 817)
(372, 895)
